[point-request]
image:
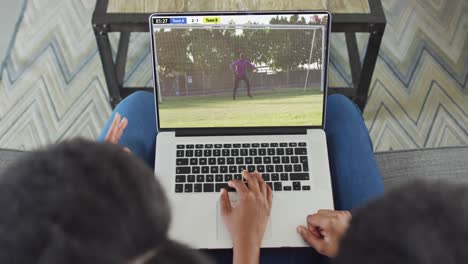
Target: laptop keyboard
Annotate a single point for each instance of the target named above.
(208, 167)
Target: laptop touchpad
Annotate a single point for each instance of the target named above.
(221, 231)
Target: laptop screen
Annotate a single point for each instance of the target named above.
(240, 70)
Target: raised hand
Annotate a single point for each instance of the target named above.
(325, 229)
(116, 130)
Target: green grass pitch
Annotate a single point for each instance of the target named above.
(293, 107)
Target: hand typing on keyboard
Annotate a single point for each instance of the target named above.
(246, 222)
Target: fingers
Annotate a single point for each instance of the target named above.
(225, 203)
(110, 134)
(310, 238)
(317, 220)
(261, 183)
(269, 195)
(120, 129)
(252, 181)
(239, 186)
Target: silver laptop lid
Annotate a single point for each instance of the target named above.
(200, 58)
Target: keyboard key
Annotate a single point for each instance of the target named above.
(234, 152)
(239, 160)
(220, 186)
(274, 145)
(300, 151)
(202, 161)
(180, 178)
(225, 152)
(209, 178)
(208, 187)
(212, 161)
(252, 152)
(198, 153)
(294, 159)
(197, 187)
(267, 160)
(302, 144)
(251, 168)
(285, 159)
(262, 152)
(287, 188)
(193, 161)
(299, 176)
(283, 145)
(189, 153)
(270, 184)
(244, 152)
(236, 145)
(289, 151)
(230, 161)
(246, 145)
(188, 188)
(208, 145)
(223, 169)
(241, 168)
(191, 178)
(275, 176)
(180, 146)
(255, 145)
(248, 160)
(283, 176)
(200, 178)
(181, 162)
(293, 144)
(266, 176)
(214, 169)
(296, 186)
(219, 178)
(265, 145)
(271, 152)
(278, 186)
(232, 169)
(180, 153)
(306, 188)
(261, 168)
(221, 161)
(218, 146)
(179, 188)
(270, 168)
(196, 169)
(258, 160)
(182, 170)
(297, 167)
(189, 146)
(303, 159)
(227, 146)
(276, 160)
(199, 146)
(279, 168)
(305, 166)
(288, 168)
(279, 151)
(237, 177)
(207, 153)
(228, 177)
(217, 152)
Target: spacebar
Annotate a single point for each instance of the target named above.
(299, 176)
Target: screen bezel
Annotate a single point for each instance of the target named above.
(242, 130)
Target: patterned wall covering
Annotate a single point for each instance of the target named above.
(52, 86)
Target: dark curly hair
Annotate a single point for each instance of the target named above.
(84, 202)
(419, 223)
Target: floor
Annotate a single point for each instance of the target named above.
(52, 86)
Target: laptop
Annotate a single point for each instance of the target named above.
(241, 91)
